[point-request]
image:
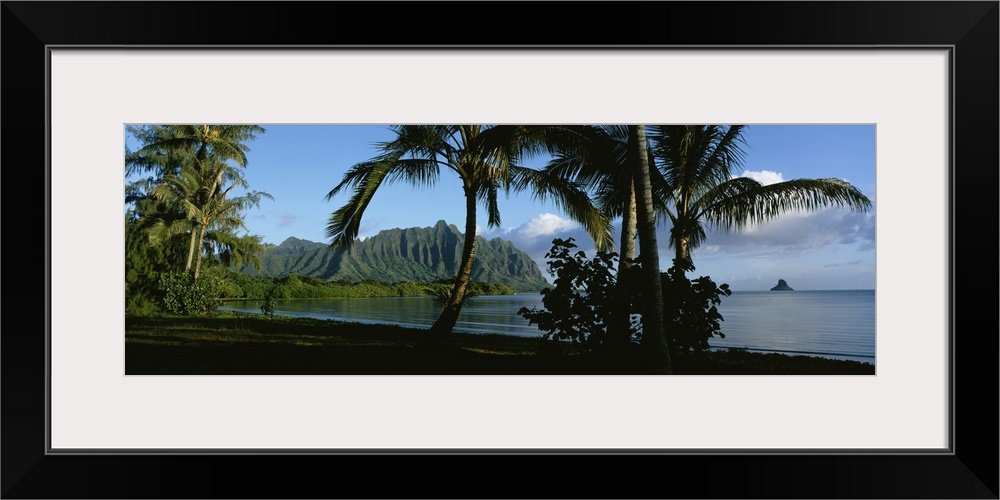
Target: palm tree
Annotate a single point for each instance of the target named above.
(200, 141)
(654, 337)
(203, 196)
(487, 159)
(191, 174)
(697, 163)
(600, 161)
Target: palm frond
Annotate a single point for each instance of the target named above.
(728, 150)
(568, 196)
(714, 198)
(229, 151)
(517, 142)
(422, 141)
(224, 142)
(355, 176)
(694, 158)
(161, 230)
(164, 145)
(593, 152)
(416, 172)
(492, 208)
(739, 203)
(365, 178)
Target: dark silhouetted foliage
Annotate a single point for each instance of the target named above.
(690, 309)
(579, 306)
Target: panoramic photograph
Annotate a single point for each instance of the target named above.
(280, 249)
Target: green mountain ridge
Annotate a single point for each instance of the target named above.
(411, 254)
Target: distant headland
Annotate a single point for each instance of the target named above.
(781, 286)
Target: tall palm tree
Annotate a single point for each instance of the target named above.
(654, 336)
(698, 163)
(487, 159)
(203, 196)
(192, 178)
(599, 160)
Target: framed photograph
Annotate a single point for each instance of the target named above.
(922, 75)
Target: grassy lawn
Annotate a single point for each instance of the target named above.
(243, 344)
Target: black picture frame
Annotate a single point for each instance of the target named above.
(969, 28)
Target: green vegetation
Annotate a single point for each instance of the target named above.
(487, 160)
(410, 254)
(690, 308)
(184, 237)
(688, 174)
(580, 306)
(240, 286)
(180, 293)
(181, 214)
(244, 344)
(185, 294)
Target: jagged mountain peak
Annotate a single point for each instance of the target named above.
(293, 244)
(404, 254)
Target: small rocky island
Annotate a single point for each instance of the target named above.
(781, 286)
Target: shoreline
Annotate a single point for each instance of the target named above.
(254, 344)
(863, 358)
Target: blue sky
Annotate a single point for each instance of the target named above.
(830, 249)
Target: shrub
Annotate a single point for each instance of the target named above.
(182, 294)
(579, 306)
(690, 311)
(267, 308)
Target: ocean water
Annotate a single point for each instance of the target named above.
(837, 324)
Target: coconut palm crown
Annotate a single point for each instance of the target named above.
(191, 184)
(204, 198)
(487, 159)
(697, 164)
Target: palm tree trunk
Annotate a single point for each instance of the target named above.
(681, 254)
(618, 328)
(194, 239)
(201, 238)
(449, 316)
(654, 339)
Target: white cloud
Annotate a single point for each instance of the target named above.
(796, 233)
(544, 225)
(765, 177)
(535, 236)
(737, 256)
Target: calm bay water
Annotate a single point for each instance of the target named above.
(829, 323)
(836, 323)
(482, 314)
